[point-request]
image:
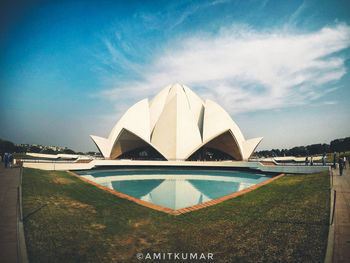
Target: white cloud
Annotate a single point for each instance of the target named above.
(330, 102)
(245, 70)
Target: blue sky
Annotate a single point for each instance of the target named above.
(71, 68)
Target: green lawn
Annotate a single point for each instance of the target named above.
(68, 220)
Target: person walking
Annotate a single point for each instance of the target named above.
(307, 160)
(10, 160)
(311, 161)
(324, 160)
(334, 160)
(6, 159)
(341, 166)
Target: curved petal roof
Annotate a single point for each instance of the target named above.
(176, 123)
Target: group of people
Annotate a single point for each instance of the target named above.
(311, 160)
(341, 162)
(7, 158)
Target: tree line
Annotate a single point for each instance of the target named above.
(337, 145)
(10, 147)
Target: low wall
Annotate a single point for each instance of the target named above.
(52, 166)
(293, 169)
(180, 164)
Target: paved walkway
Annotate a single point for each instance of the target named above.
(341, 250)
(9, 180)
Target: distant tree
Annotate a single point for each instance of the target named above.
(326, 148)
(7, 146)
(277, 152)
(68, 151)
(298, 151)
(315, 148)
(340, 145)
(347, 144)
(284, 152)
(34, 149)
(264, 153)
(48, 151)
(21, 149)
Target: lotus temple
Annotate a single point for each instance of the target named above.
(176, 129)
(175, 154)
(176, 125)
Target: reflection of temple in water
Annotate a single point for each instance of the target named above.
(177, 191)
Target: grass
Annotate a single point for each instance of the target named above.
(68, 220)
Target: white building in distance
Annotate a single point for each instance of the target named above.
(176, 125)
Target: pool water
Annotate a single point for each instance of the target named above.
(175, 189)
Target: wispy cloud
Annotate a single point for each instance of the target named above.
(244, 70)
(294, 18)
(194, 8)
(176, 14)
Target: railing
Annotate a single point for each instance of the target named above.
(19, 219)
(333, 210)
(21, 245)
(303, 164)
(291, 163)
(56, 161)
(46, 161)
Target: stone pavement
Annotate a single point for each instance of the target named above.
(9, 180)
(341, 249)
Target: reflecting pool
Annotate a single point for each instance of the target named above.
(175, 189)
